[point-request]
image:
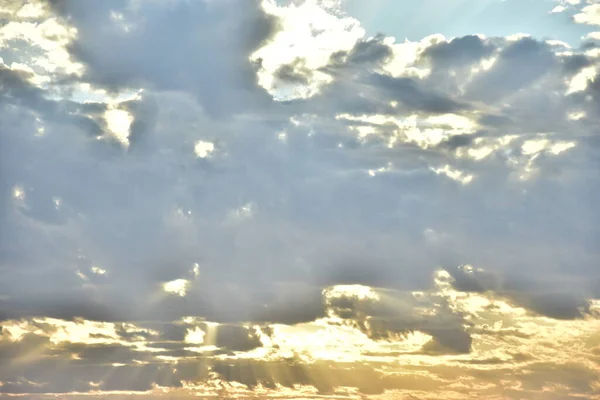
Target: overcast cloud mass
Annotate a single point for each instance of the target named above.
(265, 199)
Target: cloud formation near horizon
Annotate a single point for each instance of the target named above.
(242, 198)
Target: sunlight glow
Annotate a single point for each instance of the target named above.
(195, 336)
(580, 81)
(196, 270)
(559, 147)
(299, 43)
(119, 123)
(426, 132)
(178, 287)
(18, 193)
(535, 146)
(576, 116)
(359, 291)
(203, 149)
(454, 174)
(98, 271)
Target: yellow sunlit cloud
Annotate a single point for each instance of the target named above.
(296, 41)
(119, 123)
(98, 271)
(454, 174)
(47, 34)
(359, 291)
(423, 131)
(18, 193)
(195, 336)
(177, 286)
(580, 81)
(506, 337)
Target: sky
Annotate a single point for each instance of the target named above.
(300, 199)
(414, 20)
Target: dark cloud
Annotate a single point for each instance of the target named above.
(16, 89)
(392, 314)
(103, 354)
(508, 75)
(19, 91)
(116, 54)
(359, 88)
(365, 53)
(576, 63)
(295, 73)
(495, 120)
(458, 52)
(556, 305)
(457, 141)
(532, 293)
(55, 306)
(409, 93)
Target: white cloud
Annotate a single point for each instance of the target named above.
(18, 193)
(203, 149)
(33, 10)
(593, 36)
(119, 122)
(311, 33)
(195, 336)
(47, 36)
(534, 146)
(580, 81)
(98, 271)
(177, 286)
(454, 174)
(589, 15)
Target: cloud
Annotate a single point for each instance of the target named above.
(466, 50)
(525, 51)
(149, 116)
(330, 355)
(243, 196)
(199, 61)
(311, 32)
(590, 15)
(406, 91)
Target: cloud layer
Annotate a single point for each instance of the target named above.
(192, 192)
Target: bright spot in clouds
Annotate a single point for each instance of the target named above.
(119, 122)
(361, 292)
(560, 147)
(534, 146)
(98, 271)
(196, 270)
(454, 174)
(178, 287)
(582, 79)
(203, 149)
(18, 193)
(195, 336)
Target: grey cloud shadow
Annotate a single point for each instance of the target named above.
(116, 59)
(507, 75)
(458, 52)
